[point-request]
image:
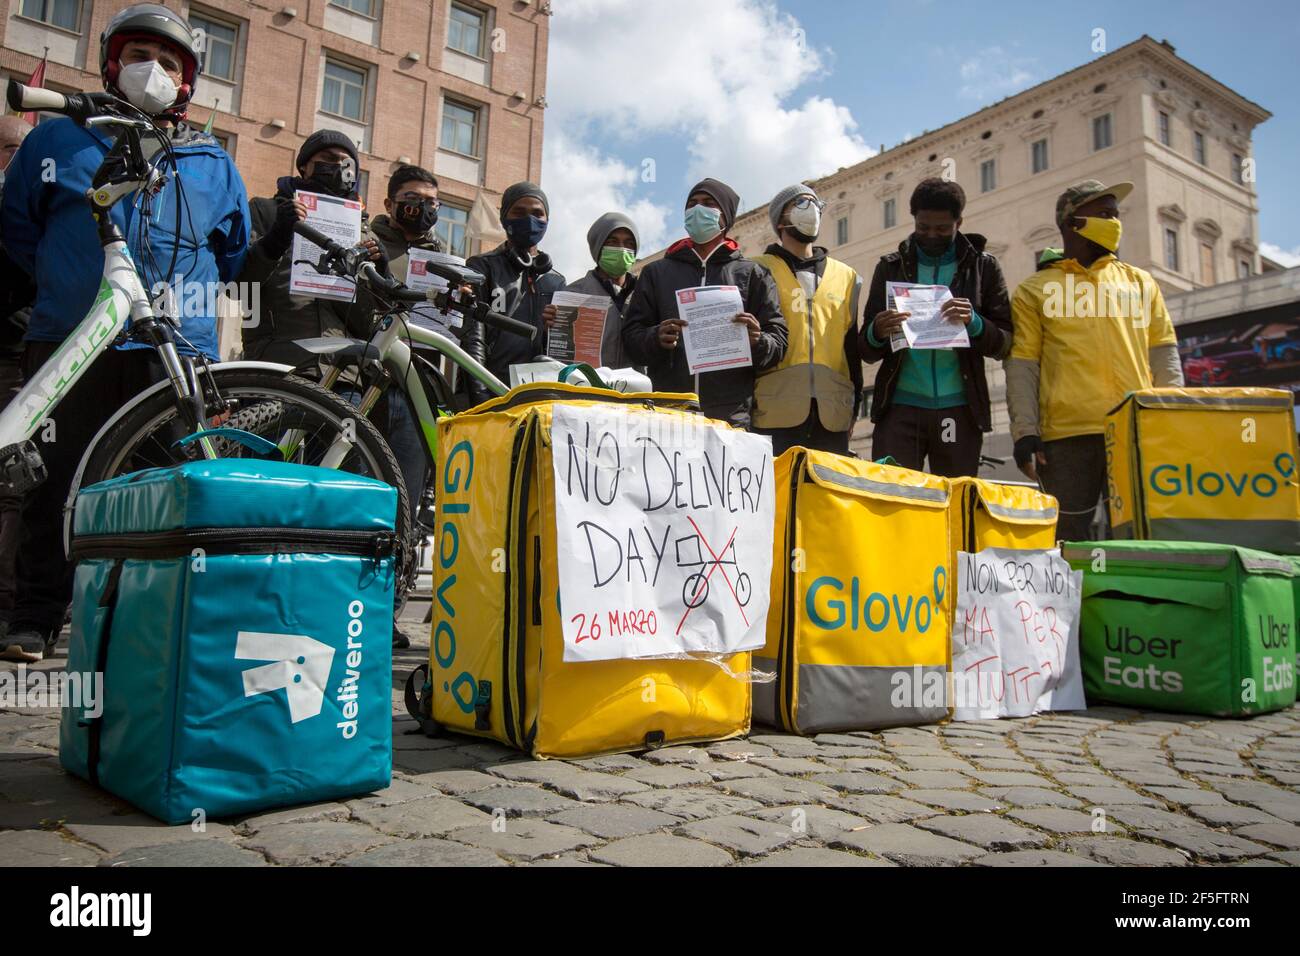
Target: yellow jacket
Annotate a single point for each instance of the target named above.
(815, 366)
(1087, 332)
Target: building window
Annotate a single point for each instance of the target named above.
(891, 213)
(57, 13)
(1171, 249)
(363, 183)
(222, 138)
(460, 128)
(1038, 155)
(364, 7)
(841, 230)
(466, 30)
(1163, 125)
(1243, 269)
(452, 229)
(1237, 175)
(1207, 264)
(344, 92)
(1198, 148)
(220, 41)
(1102, 134)
(988, 176)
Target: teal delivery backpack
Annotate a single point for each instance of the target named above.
(240, 613)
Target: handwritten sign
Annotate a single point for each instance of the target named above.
(1015, 634)
(664, 528)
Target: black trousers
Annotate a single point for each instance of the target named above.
(810, 434)
(1075, 474)
(44, 575)
(11, 378)
(949, 437)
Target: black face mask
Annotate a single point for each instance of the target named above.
(416, 215)
(337, 179)
(933, 247)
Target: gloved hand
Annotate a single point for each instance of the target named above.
(1030, 455)
(279, 237)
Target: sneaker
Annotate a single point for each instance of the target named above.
(400, 641)
(24, 646)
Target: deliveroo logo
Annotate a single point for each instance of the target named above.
(300, 667)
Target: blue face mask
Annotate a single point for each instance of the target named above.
(525, 231)
(703, 223)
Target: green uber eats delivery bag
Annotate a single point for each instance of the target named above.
(1188, 627)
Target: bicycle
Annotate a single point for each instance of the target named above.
(201, 409)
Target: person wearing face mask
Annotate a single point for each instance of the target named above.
(613, 241)
(520, 283)
(326, 163)
(1089, 330)
(652, 329)
(931, 406)
(810, 398)
(146, 57)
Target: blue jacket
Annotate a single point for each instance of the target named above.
(47, 228)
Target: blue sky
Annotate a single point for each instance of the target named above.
(646, 96)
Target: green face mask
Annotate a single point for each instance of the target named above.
(1104, 232)
(615, 260)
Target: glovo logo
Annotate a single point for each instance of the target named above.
(1172, 480)
(878, 611)
(458, 473)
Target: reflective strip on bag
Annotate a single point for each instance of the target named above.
(858, 483)
(1213, 401)
(1191, 558)
(1023, 514)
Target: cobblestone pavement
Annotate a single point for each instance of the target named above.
(1109, 786)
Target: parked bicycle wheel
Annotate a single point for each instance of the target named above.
(267, 404)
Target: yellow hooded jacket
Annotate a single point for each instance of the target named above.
(1089, 330)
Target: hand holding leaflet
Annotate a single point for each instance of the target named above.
(926, 326)
(712, 337)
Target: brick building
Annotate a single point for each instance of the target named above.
(456, 86)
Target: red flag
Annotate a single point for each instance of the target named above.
(37, 80)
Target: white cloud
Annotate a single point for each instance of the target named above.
(1287, 257)
(992, 74)
(581, 185)
(713, 77)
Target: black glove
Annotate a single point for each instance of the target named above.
(1026, 448)
(279, 237)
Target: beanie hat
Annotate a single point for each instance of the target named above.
(777, 205)
(602, 227)
(517, 192)
(723, 195)
(325, 139)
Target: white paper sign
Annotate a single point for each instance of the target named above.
(924, 328)
(340, 220)
(1015, 634)
(419, 278)
(664, 529)
(713, 339)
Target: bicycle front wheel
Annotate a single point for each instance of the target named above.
(268, 404)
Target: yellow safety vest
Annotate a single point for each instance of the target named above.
(814, 366)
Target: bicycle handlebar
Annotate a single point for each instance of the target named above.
(365, 269)
(78, 106)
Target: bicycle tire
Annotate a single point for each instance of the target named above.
(112, 454)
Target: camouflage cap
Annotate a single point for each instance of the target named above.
(1086, 191)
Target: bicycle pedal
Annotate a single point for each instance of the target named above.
(21, 467)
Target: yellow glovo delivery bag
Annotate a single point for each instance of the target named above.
(1205, 464)
(994, 514)
(858, 626)
(599, 571)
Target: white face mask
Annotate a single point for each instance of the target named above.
(147, 86)
(807, 219)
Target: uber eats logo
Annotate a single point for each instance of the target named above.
(1154, 677)
(1170, 480)
(830, 608)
